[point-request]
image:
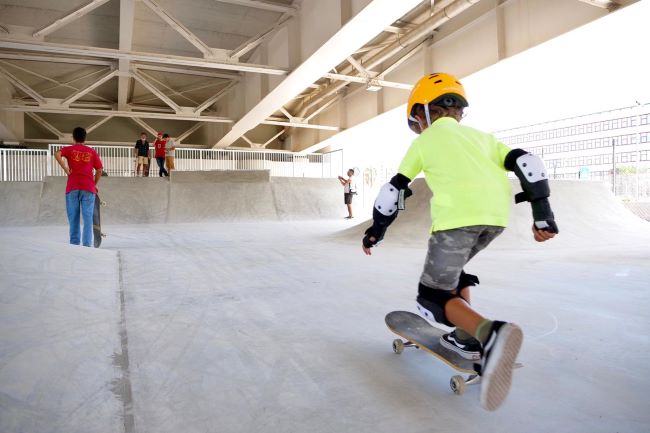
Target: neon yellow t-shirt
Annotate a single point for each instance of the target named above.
(463, 167)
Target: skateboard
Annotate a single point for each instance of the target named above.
(420, 334)
(97, 225)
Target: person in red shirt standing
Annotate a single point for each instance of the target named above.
(82, 185)
(159, 145)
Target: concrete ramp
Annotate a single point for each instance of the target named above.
(210, 196)
(307, 198)
(221, 197)
(586, 213)
(19, 202)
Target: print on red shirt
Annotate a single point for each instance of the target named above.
(82, 160)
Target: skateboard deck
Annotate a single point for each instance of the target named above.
(420, 334)
(97, 225)
(417, 331)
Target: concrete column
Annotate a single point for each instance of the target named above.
(12, 124)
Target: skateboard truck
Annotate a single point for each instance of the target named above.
(456, 383)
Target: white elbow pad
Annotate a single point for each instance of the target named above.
(387, 200)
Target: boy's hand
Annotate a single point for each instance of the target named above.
(371, 242)
(542, 235)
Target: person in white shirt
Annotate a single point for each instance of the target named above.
(350, 189)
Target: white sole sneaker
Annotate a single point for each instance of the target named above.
(497, 376)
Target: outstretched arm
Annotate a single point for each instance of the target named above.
(388, 203)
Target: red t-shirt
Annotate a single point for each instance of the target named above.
(160, 148)
(81, 161)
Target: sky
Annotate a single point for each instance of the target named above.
(600, 66)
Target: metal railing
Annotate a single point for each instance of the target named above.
(23, 165)
(119, 161)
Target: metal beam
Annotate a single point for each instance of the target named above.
(21, 85)
(183, 91)
(75, 50)
(184, 71)
(190, 131)
(100, 143)
(180, 28)
(171, 90)
(605, 4)
(266, 5)
(255, 41)
(146, 126)
(153, 89)
(96, 84)
(445, 10)
(322, 108)
(54, 59)
(45, 124)
(270, 140)
(97, 124)
(71, 16)
(248, 140)
(359, 67)
(212, 100)
(363, 80)
(58, 84)
(115, 113)
(127, 18)
(300, 125)
(359, 30)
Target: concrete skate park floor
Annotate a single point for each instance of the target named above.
(278, 327)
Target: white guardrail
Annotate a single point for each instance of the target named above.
(119, 161)
(23, 165)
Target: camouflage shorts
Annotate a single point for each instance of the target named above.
(450, 250)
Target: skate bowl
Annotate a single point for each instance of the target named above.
(586, 212)
(208, 196)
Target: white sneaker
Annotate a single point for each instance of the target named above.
(499, 356)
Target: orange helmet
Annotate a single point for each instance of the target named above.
(438, 89)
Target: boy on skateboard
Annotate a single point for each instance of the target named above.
(467, 171)
(82, 185)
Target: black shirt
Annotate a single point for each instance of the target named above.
(143, 148)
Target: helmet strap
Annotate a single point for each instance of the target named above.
(426, 113)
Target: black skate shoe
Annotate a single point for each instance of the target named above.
(468, 349)
(499, 356)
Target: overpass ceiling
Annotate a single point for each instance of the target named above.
(63, 58)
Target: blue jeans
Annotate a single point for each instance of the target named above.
(161, 166)
(84, 201)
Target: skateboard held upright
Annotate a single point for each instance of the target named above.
(97, 225)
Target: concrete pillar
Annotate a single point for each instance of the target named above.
(12, 124)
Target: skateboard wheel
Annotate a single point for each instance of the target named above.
(457, 384)
(398, 346)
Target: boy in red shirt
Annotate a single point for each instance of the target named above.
(159, 145)
(82, 185)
